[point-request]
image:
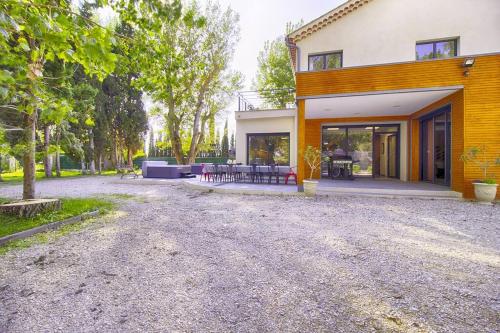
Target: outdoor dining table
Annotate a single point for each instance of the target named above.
(240, 172)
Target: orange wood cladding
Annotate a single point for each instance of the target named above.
(475, 109)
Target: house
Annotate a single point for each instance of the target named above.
(402, 87)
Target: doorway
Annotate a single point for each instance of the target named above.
(373, 149)
(386, 152)
(435, 151)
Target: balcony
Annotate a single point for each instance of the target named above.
(272, 99)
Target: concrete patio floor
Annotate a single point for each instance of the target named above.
(386, 187)
(358, 187)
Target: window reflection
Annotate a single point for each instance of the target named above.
(325, 61)
(267, 149)
(373, 149)
(436, 50)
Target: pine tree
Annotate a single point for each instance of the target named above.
(211, 130)
(232, 145)
(225, 141)
(217, 139)
(151, 148)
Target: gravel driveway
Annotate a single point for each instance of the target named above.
(183, 261)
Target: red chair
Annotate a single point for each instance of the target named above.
(291, 173)
(205, 172)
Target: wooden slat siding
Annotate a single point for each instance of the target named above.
(301, 142)
(482, 120)
(313, 130)
(481, 99)
(456, 101)
(414, 150)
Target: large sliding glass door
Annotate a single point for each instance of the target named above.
(360, 141)
(436, 147)
(268, 148)
(374, 149)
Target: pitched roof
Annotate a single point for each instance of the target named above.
(326, 19)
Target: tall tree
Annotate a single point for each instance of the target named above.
(186, 68)
(122, 103)
(225, 141)
(232, 144)
(275, 79)
(58, 84)
(84, 95)
(152, 143)
(33, 33)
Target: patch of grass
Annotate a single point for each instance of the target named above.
(122, 196)
(48, 236)
(70, 207)
(17, 176)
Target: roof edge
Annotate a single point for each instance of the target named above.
(325, 19)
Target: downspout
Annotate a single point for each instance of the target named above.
(290, 45)
(298, 58)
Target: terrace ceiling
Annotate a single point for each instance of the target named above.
(387, 103)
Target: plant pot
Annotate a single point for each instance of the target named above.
(485, 193)
(310, 187)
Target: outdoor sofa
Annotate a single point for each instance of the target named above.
(161, 169)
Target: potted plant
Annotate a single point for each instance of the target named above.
(312, 156)
(485, 189)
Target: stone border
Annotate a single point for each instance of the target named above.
(243, 191)
(48, 227)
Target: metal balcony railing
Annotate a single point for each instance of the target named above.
(266, 99)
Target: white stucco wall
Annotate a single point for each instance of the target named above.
(275, 121)
(386, 31)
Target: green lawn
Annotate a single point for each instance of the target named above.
(70, 207)
(16, 177)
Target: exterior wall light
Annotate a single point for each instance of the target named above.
(467, 64)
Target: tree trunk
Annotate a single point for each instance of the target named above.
(1, 170)
(129, 157)
(92, 153)
(99, 160)
(47, 158)
(30, 208)
(84, 169)
(195, 137)
(175, 138)
(114, 155)
(176, 142)
(173, 126)
(58, 154)
(29, 167)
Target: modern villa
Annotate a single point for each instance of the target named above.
(401, 87)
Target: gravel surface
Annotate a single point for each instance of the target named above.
(184, 261)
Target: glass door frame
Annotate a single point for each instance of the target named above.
(397, 134)
(446, 110)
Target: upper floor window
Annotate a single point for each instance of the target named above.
(436, 50)
(318, 62)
